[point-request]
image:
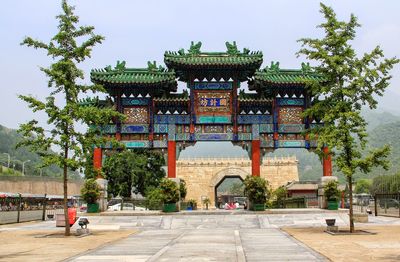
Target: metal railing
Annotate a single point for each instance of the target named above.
(387, 204)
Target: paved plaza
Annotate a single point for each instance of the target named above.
(206, 237)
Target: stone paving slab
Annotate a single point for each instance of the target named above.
(205, 245)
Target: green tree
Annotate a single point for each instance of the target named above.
(363, 186)
(90, 191)
(351, 83)
(70, 46)
(236, 188)
(169, 190)
(140, 169)
(182, 189)
(256, 189)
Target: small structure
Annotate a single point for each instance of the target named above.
(306, 189)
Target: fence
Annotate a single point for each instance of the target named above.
(16, 208)
(117, 204)
(387, 204)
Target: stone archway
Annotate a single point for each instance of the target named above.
(217, 179)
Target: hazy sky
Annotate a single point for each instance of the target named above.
(138, 31)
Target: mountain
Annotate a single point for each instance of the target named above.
(8, 140)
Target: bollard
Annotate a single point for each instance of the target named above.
(19, 208)
(376, 205)
(44, 207)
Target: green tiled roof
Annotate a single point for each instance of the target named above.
(231, 59)
(135, 77)
(273, 75)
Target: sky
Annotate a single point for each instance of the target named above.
(139, 31)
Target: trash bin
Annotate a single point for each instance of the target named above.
(71, 216)
(60, 218)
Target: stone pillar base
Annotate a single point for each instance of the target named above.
(321, 198)
(103, 194)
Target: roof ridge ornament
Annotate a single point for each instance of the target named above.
(120, 66)
(152, 66)
(305, 67)
(193, 50)
(232, 48)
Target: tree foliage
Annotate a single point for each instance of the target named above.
(90, 191)
(331, 191)
(169, 190)
(351, 83)
(256, 189)
(71, 45)
(363, 186)
(140, 169)
(386, 184)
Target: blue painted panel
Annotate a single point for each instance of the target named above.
(136, 144)
(254, 119)
(268, 144)
(255, 131)
(132, 129)
(109, 129)
(266, 128)
(172, 119)
(290, 101)
(213, 120)
(214, 137)
(182, 137)
(215, 86)
(160, 144)
(135, 101)
(244, 136)
(290, 128)
(160, 128)
(291, 143)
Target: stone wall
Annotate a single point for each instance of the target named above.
(202, 175)
(38, 185)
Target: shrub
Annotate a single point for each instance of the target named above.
(331, 191)
(90, 191)
(169, 190)
(255, 188)
(183, 189)
(154, 198)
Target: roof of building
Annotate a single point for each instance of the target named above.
(302, 186)
(232, 59)
(120, 76)
(274, 76)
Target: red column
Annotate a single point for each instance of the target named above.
(327, 162)
(171, 159)
(97, 158)
(255, 158)
(118, 136)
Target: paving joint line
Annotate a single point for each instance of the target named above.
(240, 256)
(159, 253)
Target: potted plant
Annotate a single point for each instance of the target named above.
(332, 194)
(255, 188)
(91, 193)
(170, 193)
(206, 201)
(192, 204)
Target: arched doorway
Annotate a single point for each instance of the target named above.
(225, 183)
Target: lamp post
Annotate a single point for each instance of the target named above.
(23, 167)
(9, 158)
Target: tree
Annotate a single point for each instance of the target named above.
(351, 83)
(90, 191)
(256, 189)
(363, 186)
(141, 169)
(69, 47)
(182, 189)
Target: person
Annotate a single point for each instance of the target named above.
(245, 205)
(237, 205)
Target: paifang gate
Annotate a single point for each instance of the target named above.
(212, 108)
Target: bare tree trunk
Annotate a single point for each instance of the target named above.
(349, 180)
(65, 175)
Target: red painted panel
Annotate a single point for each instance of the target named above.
(171, 159)
(327, 162)
(255, 158)
(97, 158)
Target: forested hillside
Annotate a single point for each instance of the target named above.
(8, 139)
(383, 128)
